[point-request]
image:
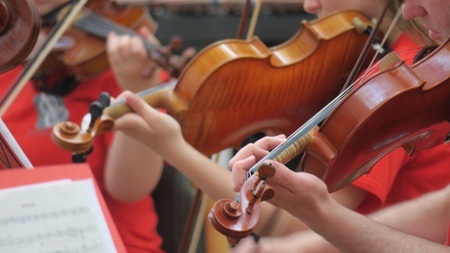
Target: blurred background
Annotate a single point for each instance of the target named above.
(201, 22)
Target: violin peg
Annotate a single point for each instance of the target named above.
(104, 99)
(360, 26)
(95, 110)
(266, 170)
(189, 53)
(233, 241)
(81, 157)
(176, 43)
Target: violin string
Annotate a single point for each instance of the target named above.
(382, 43)
(305, 128)
(100, 26)
(168, 85)
(323, 113)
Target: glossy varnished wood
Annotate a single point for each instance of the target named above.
(87, 57)
(19, 29)
(399, 107)
(236, 88)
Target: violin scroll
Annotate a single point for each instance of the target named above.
(174, 59)
(78, 139)
(100, 119)
(237, 218)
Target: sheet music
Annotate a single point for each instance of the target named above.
(59, 217)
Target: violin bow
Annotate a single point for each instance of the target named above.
(362, 56)
(201, 203)
(32, 65)
(243, 20)
(254, 20)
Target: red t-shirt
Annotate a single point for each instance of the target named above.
(405, 48)
(28, 119)
(398, 176)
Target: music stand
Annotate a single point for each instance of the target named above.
(11, 155)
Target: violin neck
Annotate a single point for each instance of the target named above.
(156, 97)
(298, 141)
(99, 26)
(284, 154)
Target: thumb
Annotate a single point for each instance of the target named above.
(283, 176)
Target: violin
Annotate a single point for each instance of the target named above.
(81, 53)
(19, 30)
(221, 96)
(420, 97)
(401, 106)
(86, 57)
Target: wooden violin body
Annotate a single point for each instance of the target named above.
(401, 107)
(87, 57)
(19, 30)
(235, 88)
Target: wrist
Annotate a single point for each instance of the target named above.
(318, 210)
(173, 147)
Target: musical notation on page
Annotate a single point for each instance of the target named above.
(61, 216)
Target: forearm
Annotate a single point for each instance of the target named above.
(300, 242)
(426, 217)
(213, 179)
(132, 169)
(210, 177)
(336, 223)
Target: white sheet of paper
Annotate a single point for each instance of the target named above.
(58, 217)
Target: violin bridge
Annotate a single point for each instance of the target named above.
(389, 61)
